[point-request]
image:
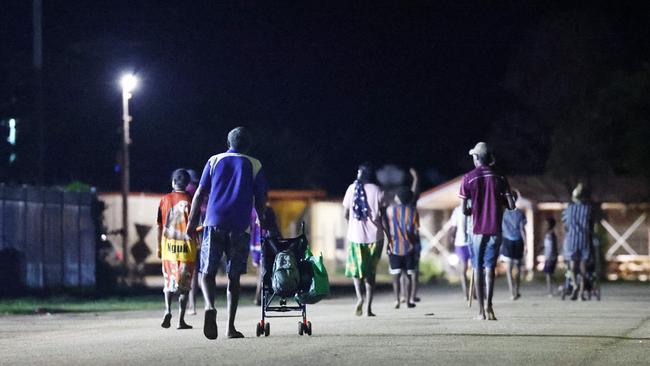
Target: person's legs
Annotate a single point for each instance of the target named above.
(477, 252)
(357, 288)
(397, 288)
(191, 304)
(233, 301)
(182, 305)
(192, 295)
(549, 285)
(583, 275)
(374, 253)
(492, 246)
(410, 302)
(168, 313)
(258, 288)
(479, 288)
(237, 250)
(489, 285)
(403, 283)
(517, 279)
(211, 253)
(370, 291)
(463, 278)
(509, 277)
(353, 269)
(574, 278)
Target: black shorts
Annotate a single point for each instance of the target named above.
(401, 263)
(549, 266)
(513, 249)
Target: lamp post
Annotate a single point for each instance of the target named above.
(128, 83)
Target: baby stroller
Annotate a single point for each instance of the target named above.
(271, 248)
(592, 284)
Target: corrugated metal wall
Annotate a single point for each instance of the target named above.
(52, 234)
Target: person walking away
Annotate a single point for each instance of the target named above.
(489, 193)
(363, 203)
(415, 194)
(402, 222)
(550, 253)
(233, 183)
(176, 249)
(461, 236)
(512, 247)
(578, 223)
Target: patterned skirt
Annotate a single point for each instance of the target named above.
(362, 259)
(177, 275)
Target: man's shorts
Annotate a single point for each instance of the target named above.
(362, 259)
(549, 266)
(512, 249)
(462, 252)
(485, 250)
(216, 243)
(401, 263)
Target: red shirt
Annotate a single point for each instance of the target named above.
(486, 189)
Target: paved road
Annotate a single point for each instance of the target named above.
(533, 330)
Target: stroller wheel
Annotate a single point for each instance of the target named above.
(267, 329)
(259, 330)
(300, 328)
(308, 330)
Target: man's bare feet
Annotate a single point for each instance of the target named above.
(167, 321)
(183, 325)
(191, 312)
(490, 314)
(397, 304)
(210, 324)
(358, 310)
(235, 334)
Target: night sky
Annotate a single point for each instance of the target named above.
(323, 87)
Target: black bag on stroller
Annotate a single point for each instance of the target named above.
(285, 273)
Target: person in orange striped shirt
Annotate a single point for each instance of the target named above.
(402, 223)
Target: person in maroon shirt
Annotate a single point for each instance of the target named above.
(485, 194)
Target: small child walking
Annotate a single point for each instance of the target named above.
(175, 248)
(403, 222)
(550, 253)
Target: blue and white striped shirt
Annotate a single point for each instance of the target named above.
(577, 218)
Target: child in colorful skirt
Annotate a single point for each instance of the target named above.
(175, 248)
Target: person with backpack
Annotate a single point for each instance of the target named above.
(364, 205)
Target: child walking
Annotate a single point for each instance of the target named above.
(550, 253)
(402, 221)
(175, 248)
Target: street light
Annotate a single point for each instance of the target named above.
(128, 83)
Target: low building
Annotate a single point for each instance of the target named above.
(622, 223)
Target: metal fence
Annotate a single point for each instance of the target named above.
(47, 236)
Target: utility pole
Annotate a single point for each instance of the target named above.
(37, 62)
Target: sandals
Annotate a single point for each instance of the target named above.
(210, 324)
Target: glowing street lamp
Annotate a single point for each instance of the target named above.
(128, 82)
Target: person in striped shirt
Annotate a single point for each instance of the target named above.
(402, 222)
(578, 223)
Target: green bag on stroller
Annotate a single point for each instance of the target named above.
(320, 283)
